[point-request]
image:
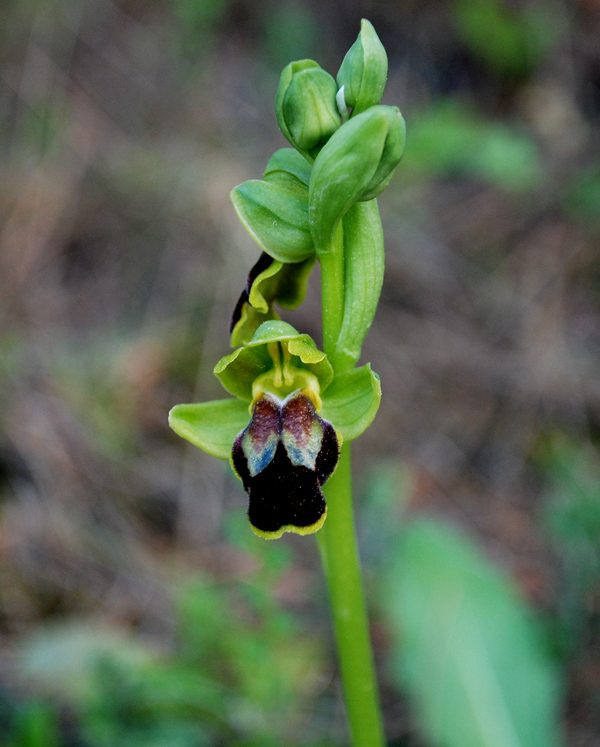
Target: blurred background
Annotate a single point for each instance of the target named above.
(136, 607)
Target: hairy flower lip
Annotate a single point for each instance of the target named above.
(283, 456)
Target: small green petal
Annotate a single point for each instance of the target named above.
(352, 400)
(276, 218)
(299, 345)
(306, 350)
(277, 282)
(211, 426)
(258, 291)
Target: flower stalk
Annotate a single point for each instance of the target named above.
(341, 564)
(338, 545)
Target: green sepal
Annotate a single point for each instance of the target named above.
(290, 161)
(281, 283)
(276, 218)
(352, 400)
(358, 158)
(212, 426)
(239, 370)
(363, 278)
(363, 72)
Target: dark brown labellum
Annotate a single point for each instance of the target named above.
(283, 457)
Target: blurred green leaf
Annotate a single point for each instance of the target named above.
(291, 32)
(508, 41)
(450, 138)
(583, 196)
(382, 503)
(61, 657)
(240, 637)
(199, 22)
(467, 652)
(35, 725)
(571, 515)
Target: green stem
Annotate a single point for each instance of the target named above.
(337, 542)
(342, 569)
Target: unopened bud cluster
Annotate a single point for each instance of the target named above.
(312, 108)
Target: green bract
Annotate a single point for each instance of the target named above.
(291, 163)
(356, 164)
(305, 106)
(276, 217)
(349, 402)
(363, 277)
(363, 72)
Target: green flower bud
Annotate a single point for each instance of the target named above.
(363, 71)
(306, 108)
(393, 149)
(355, 165)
